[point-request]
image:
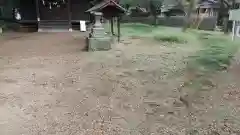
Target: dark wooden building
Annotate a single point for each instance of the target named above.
(62, 14)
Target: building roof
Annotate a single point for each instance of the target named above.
(208, 4)
(168, 5)
(100, 6)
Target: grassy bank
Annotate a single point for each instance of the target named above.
(215, 51)
(160, 34)
(216, 54)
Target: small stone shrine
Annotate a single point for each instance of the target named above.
(98, 40)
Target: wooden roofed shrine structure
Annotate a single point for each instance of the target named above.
(110, 9)
(98, 39)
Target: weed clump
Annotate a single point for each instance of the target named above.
(170, 39)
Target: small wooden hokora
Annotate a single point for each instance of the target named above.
(110, 9)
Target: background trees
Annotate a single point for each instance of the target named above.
(155, 6)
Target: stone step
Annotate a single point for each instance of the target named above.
(53, 30)
(53, 26)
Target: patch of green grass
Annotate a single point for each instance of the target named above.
(159, 33)
(216, 55)
(136, 29)
(214, 51)
(175, 36)
(170, 39)
(217, 49)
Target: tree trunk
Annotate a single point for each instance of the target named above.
(220, 13)
(225, 25)
(188, 15)
(233, 4)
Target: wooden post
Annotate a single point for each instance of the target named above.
(69, 15)
(233, 30)
(38, 13)
(112, 29)
(225, 24)
(118, 27)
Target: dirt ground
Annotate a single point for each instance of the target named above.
(50, 86)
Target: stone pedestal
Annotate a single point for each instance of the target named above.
(99, 44)
(98, 39)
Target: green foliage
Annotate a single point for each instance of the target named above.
(124, 2)
(134, 2)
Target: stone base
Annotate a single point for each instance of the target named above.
(26, 29)
(99, 44)
(1, 30)
(54, 30)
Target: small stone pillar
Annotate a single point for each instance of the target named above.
(98, 40)
(98, 30)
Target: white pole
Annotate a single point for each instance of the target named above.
(233, 30)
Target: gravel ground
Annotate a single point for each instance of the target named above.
(50, 86)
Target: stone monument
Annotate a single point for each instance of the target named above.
(98, 39)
